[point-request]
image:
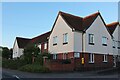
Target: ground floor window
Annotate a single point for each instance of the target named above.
(65, 55)
(105, 58)
(91, 58)
(76, 55)
(54, 56)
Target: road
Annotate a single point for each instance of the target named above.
(91, 74)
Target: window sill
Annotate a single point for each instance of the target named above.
(91, 62)
(118, 47)
(91, 43)
(104, 44)
(65, 43)
(105, 61)
(113, 46)
(54, 44)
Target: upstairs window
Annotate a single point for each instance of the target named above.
(55, 40)
(113, 43)
(45, 46)
(91, 58)
(91, 39)
(76, 55)
(104, 41)
(104, 58)
(118, 44)
(65, 38)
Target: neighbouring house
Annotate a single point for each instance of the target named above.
(114, 31)
(87, 40)
(77, 37)
(20, 43)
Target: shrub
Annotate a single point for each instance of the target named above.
(34, 68)
(66, 61)
(13, 64)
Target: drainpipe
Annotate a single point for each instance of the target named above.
(83, 48)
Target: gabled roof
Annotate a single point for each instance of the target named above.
(41, 38)
(78, 23)
(112, 26)
(22, 42)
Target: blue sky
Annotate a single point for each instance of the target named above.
(30, 19)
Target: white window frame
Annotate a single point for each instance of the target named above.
(104, 40)
(91, 38)
(65, 38)
(91, 58)
(105, 58)
(54, 56)
(55, 40)
(76, 55)
(65, 55)
(45, 45)
(39, 46)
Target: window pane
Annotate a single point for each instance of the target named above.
(91, 38)
(65, 37)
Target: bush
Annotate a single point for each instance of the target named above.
(66, 61)
(13, 64)
(34, 68)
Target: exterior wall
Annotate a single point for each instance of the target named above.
(17, 52)
(98, 29)
(115, 36)
(77, 41)
(61, 28)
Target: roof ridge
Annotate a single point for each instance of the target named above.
(113, 23)
(96, 13)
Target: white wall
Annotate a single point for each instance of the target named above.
(98, 29)
(17, 52)
(116, 38)
(77, 41)
(59, 29)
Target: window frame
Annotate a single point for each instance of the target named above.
(104, 41)
(91, 58)
(105, 58)
(54, 56)
(91, 39)
(65, 38)
(45, 45)
(76, 55)
(55, 40)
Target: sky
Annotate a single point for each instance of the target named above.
(30, 19)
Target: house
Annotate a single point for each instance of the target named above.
(20, 43)
(114, 31)
(85, 38)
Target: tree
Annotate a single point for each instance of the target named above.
(11, 53)
(5, 53)
(30, 52)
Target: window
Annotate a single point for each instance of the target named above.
(39, 46)
(76, 55)
(91, 58)
(55, 40)
(113, 43)
(104, 41)
(65, 38)
(54, 56)
(65, 55)
(91, 39)
(45, 46)
(118, 44)
(104, 58)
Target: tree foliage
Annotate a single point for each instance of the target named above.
(6, 53)
(30, 52)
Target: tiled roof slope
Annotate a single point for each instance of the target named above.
(112, 26)
(79, 23)
(22, 42)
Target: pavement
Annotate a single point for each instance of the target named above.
(18, 75)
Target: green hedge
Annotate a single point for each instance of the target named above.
(34, 68)
(13, 64)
